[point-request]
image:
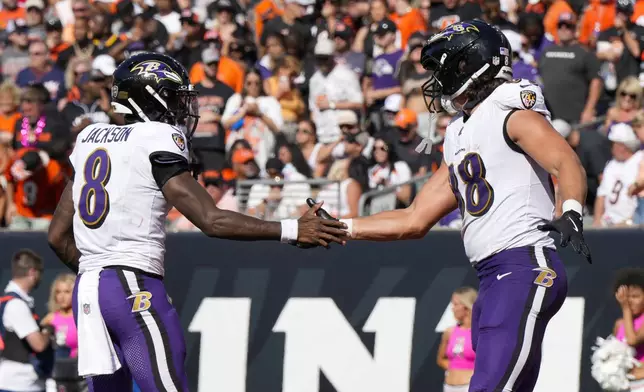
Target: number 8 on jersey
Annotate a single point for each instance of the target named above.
(479, 194)
(94, 201)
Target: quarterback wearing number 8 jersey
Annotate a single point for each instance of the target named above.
(110, 228)
(499, 154)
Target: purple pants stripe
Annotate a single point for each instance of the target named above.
(146, 333)
(520, 290)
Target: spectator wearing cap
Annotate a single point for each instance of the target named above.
(35, 12)
(614, 204)
(10, 11)
(281, 87)
(408, 21)
(405, 139)
(597, 16)
(280, 200)
(391, 107)
(54, 39)
(552, 16)
(593, 150)
(354, 141)
(343, 38)
(209, 139)
(364, 41)
(388, 170)
(452, 11)
(41, 70)
(621, 45)
(82, 45)
(15, 56)
(92, 107)
(288, 23)
(40, 126)
(570, 73)
(381, 81)
(254, 116)
(333, 87)
(167, 15)
(33, 185)
(229, 71)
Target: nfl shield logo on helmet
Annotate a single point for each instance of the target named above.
(528, 98)
(86, 309)
(179, 141)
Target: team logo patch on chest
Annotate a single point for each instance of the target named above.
(179, 141)
(528, 98)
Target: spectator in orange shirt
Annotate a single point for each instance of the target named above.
(408, 20)
(551, 18)
(638, 13)
(597, 17)
(10, 11)
(228, 72)
(33, 185)
(264, 11)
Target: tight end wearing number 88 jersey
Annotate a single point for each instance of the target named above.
(503, 195)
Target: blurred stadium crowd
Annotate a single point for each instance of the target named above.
(312, 98)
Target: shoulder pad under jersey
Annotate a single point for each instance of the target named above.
(521, 94)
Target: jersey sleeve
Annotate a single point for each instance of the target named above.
(522, 94)
(165, 142)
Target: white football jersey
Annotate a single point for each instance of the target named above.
(617, 177)
(120, 212)
(503, 194)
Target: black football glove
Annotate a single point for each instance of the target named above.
(571, 228)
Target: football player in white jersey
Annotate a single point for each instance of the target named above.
(110, 227)
(498, 158)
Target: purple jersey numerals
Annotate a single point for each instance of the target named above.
(479, 194)
(94, 201)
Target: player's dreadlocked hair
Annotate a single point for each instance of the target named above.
(629, 277)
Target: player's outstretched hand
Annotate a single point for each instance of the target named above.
(571, 228)
(315, 231)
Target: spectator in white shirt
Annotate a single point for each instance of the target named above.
(254, 116)
(20, 332)
(614, 205)
(389, 170)
(281, 199)
(333, 87)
